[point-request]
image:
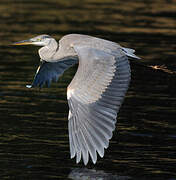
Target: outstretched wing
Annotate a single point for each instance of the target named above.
(95, 96)
(50, 71)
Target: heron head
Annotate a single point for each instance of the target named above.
(41, 40)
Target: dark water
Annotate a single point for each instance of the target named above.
(33, 123)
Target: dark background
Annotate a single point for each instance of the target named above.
(33, 123)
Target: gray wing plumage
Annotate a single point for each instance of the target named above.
(95, 96)
(50, 71)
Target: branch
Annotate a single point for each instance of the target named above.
(163, 68)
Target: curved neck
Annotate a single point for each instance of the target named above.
(47, 52)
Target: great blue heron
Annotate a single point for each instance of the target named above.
(96, 92)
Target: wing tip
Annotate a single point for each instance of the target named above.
(29, 86)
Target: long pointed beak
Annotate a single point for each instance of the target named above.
(24, 42)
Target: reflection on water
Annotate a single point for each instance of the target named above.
(33, 132)
(85, 174)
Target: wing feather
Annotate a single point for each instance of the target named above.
(50, 71)
(95, 96)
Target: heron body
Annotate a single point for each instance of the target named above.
(96, 92)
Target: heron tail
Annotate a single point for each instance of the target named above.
(130, 52)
